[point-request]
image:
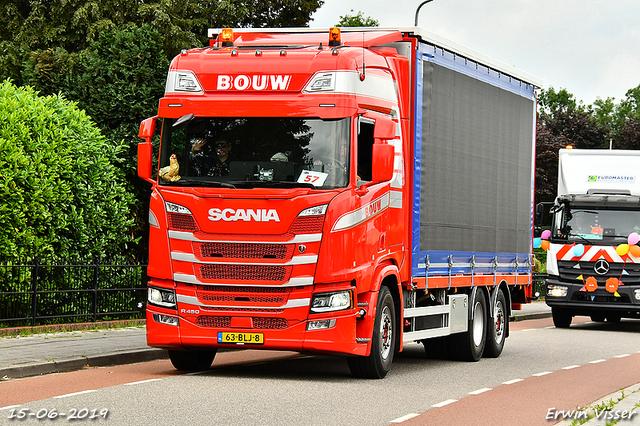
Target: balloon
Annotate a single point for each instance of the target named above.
(612, 285)
(538, 241)
(633, 239)
(578, 250)
(545, 235)
(591, 284)
(622, 249)
(635, 251)
(545, 245)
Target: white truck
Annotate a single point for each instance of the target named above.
(593, 260)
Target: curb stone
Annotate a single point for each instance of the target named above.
(627, 399)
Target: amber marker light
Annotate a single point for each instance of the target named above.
(334, 36)
(226, 37)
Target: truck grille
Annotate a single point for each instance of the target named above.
(210, 321)
(243, 272)
(182, 222)
(570, 274)
(307, 225)
(266, 295)
(243, 250)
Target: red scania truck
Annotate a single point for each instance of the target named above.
(339, 193)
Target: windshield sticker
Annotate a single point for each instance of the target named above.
(314, 178)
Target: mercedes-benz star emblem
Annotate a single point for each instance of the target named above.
(601, 267)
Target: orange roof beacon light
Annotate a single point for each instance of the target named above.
(226, 37)
(569, 146)
(334, 36)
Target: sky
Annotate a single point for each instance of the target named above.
(591, 48)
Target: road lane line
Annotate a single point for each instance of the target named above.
(403, 418)
(443, 403)
(74, 394)
(544, 373)
(479, 391)
(8, 407)
(622, 356)
(510, 382)
(597, 361)
(570, 367)
(142, 381)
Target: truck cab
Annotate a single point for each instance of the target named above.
(593, 261)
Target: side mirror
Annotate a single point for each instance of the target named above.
(145, 149)
(147, 128)
(384, 128)
(382, 158)
(382, 162)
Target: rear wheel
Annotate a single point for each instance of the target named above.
(469, 346)
(497, 327)
(192, 360)
(383, 343)
(561, 317)
(597, 318)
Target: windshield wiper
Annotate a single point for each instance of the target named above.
(198, 182)
(275, 184)
(582, 238)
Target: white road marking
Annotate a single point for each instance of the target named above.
(443, 403)
(479, 391)
(142, 381)
(510, 382)
(403, 418)
(74, 394)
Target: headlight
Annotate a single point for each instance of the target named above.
(557, 290)
(176, 208)
(165, 319)
(161, 297)
(314, 211)
(329, 302)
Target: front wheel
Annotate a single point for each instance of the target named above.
(561, 317)
(497, 327)
(192, 360)
(383, 343)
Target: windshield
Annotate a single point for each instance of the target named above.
(595, 224)
(255, 152)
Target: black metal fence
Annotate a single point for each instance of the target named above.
(39, 291)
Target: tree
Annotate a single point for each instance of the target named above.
(561, 122)
(61, 188)
(112, 56)
(357, 20)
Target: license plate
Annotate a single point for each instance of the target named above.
(241, 338)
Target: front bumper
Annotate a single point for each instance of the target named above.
(581, 302)
(190, 333)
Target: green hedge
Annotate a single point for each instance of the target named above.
(61, 190)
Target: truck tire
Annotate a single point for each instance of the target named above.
(383, 342)
(469, 346)
(192, 360)
(497, 327)
(597, 317)
(561, 317)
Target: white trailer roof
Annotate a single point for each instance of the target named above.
(583, 170)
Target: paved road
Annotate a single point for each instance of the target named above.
(541, 367)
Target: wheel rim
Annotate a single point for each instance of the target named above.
(386, 332)
(499, 322)
(478, 324)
